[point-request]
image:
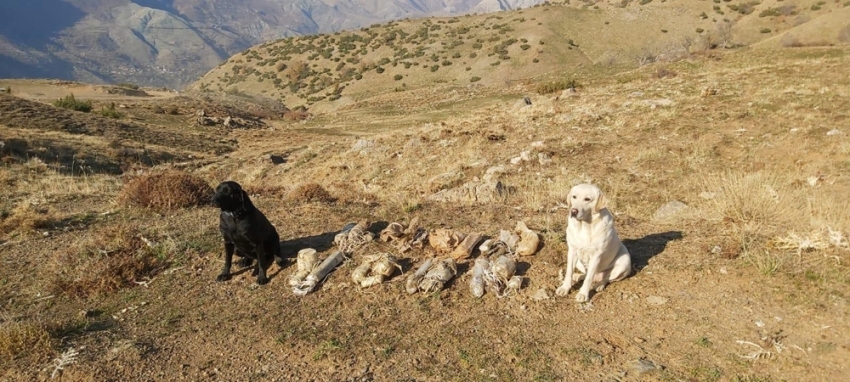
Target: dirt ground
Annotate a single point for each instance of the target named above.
(717, 294)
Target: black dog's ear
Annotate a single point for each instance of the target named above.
(243, 196)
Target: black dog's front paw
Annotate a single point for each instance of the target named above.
(245, 262)
(223, 277)
(255, 272)
(262, 280)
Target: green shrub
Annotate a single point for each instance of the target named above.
(398, 77)
(379, 70)
(475, 79)
(110, 112)
(765, 30)
(551, 87)
(71, 103)
(700, 30)
(128, 86)
(536, 60)
(525, 47)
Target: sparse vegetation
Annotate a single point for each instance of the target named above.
(71, 103)
(126, 85)
(556, 86)
(110, 112)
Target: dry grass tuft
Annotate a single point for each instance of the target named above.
(311, 192)
(167, 190)
(23, 339)
(766, 212)
(116, 257)
(26, 217)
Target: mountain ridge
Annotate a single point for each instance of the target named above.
(173, 42)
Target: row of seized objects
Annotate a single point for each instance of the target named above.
(494, 270)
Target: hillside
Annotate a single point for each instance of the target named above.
(173, 42)
(743, 277)
(543, 43)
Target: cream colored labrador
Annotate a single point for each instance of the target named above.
(594, 247)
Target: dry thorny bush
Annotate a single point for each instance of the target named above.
(781, 224)
(311, 192)
(114, 257)
(167, 190)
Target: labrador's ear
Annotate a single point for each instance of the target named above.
(243, 196)
(570, 199)
(601, 202)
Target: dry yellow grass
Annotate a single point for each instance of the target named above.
(23, 339)
(114, 257)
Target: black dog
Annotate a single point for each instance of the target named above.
(246, 232)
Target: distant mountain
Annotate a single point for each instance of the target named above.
(173, 42)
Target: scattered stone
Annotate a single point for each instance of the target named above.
(653, 103)
(656, 300)
(544, 158)
(833, 132)
(540, 295)
(571, 92)
(227, 121)
(275, 159)
(525, 155)
(671, 209)
(526, 100)
(642, 366)
(707, 195)
(362, 146)
(493, 172)
(516, 160)
(538, 144)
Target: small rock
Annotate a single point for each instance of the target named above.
(540, 295)
(544, 158)
(706, 195)
(526, 100)
(362, 145)
(670, 210)
(538, 144)
(275, 159)
(659, 102)
(515, 161)
(525, 155)
(639, 340)
(833, 132)
(642, 366)
(656, 300)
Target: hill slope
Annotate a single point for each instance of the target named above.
(172, 42)
(535, 44)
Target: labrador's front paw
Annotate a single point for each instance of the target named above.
(581, 296)
(563, 290)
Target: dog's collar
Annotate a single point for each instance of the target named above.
(236, 214)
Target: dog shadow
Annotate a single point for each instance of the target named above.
(649, 246)
(321, 243)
